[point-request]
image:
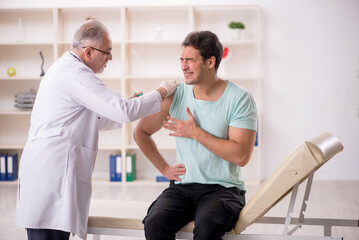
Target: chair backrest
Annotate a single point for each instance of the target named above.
(306, 158)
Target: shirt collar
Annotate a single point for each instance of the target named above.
(75, 56)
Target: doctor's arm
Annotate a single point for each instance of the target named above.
(237, 149)
(142, 135)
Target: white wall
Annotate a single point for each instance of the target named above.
(311, 80)
(310, 75)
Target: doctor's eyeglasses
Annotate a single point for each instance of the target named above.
(104, 52)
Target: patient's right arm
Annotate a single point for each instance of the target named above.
(142, 135)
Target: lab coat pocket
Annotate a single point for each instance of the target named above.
(83, 160)
(47, 133)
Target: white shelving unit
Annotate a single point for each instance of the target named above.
(146, 50)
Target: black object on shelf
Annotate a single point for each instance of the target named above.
(42, 65)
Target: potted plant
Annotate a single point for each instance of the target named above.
(236, 29)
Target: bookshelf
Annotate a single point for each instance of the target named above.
(146, 49)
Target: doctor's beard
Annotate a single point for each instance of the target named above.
(102, 68)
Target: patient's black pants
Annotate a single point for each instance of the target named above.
(214, 208)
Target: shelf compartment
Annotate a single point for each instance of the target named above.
(36, 26)
(206, 18)
(144, 167)
(242, 60)
(14, 131)
(8, 90)
(110, 139)
(144, 23)
(28, 63)
(71, 19)
(141, 60)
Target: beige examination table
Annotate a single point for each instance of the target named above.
(121, 218)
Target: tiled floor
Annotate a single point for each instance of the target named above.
(327, 200)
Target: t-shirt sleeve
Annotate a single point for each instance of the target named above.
(244, 112)
(177, 96)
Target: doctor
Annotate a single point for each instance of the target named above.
(72, 105)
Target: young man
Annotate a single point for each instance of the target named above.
(72, 105)
(215, 123)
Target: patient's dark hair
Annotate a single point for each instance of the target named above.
(207, 43)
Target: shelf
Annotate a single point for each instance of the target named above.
(146, 50)
(16, 78)
(152, 77)
(15, 112)
(12, 146)
(109, 147)
(163, 147)
(70, 42)
(135, 182)
(109, 78)
(24, 43)
(153, 42)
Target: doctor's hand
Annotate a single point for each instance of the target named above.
(136, 94)
(172, 172)
(169, 87)
(187, 129)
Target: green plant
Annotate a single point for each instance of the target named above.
(239, 25)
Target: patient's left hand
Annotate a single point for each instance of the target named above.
(187, 129)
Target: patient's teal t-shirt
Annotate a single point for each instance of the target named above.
(236, 107)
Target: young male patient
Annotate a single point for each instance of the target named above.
(215, 123)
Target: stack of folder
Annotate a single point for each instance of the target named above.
(8, 167)
(116, 168)
(25, 101)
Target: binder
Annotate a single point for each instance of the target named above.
(115, 168)
(11, 166)
(2, 167)
(161, 179)
(112, 168)
(130, 167)
(118, 168)
(256, 142)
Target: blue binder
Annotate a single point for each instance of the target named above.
(115, 168)
(11, 166)
(161, 179)
(2, 167)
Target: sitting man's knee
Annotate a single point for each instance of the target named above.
(209, 226)
(157, 226)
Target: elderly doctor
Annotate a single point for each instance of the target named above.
(72, 105)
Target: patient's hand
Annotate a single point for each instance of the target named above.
(187, 129)
(172, 172)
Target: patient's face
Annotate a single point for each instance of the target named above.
(192, 65)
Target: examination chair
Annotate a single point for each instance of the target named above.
(125, 218)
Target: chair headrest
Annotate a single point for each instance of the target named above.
(324, 146)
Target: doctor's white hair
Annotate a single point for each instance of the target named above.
(91, 31)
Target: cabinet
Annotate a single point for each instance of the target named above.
(146, 50)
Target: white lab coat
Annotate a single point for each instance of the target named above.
(72, 104)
